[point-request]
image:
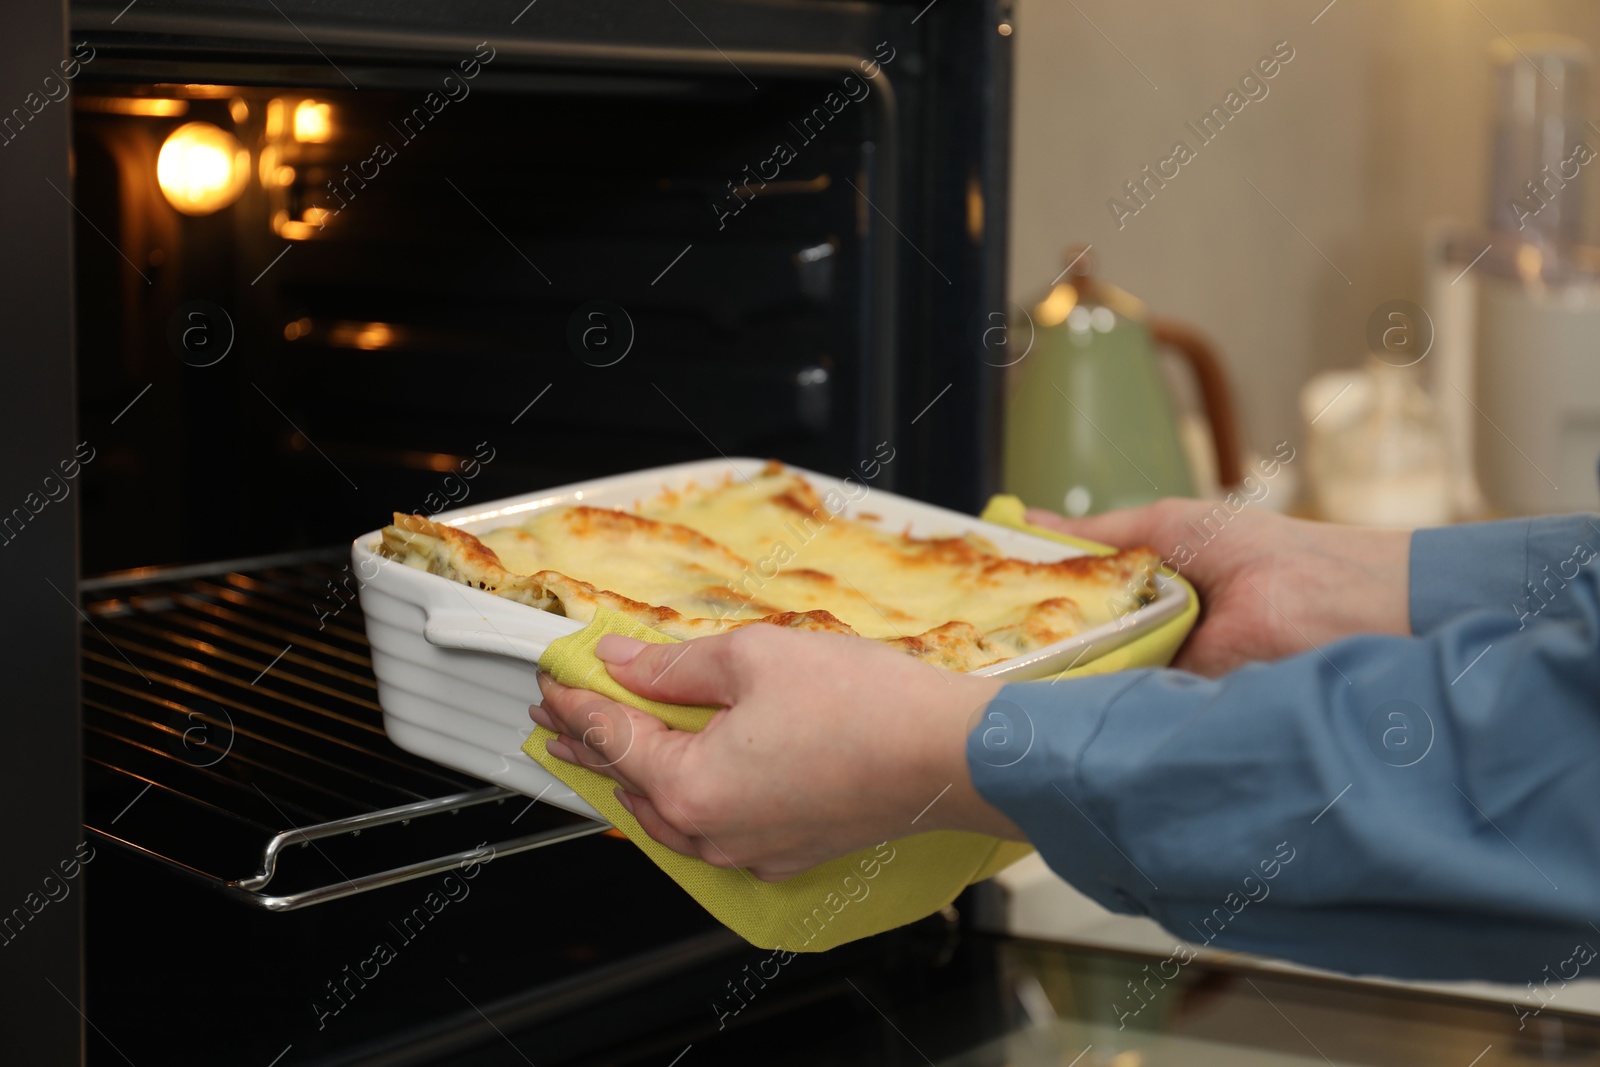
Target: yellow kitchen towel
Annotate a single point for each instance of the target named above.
(855, 896)
(858, 895)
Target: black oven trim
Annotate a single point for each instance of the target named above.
(40, 762)
(172, 33)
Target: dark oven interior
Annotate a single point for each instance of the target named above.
(412, 257)
(554, 277)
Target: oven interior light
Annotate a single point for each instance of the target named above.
(292, 229)
(201, 168)
(207, 92)
(373, 335)
(303, 228)
(147, 106)
(367, 336)
(313, 122)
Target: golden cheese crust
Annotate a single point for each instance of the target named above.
(706, 559)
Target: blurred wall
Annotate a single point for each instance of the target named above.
(1377, 125)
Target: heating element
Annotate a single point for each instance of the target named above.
(232, 732)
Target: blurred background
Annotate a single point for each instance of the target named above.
(1375, 143)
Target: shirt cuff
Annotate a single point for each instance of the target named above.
(1496, 566)
(1025, 756)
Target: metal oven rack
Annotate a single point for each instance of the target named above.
(232, 733)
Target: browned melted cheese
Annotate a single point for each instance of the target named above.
(769, 549)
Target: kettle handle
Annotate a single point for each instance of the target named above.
(1214, 392)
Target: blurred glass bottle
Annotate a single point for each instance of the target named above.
(1517, 305)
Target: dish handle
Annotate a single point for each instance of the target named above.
(520, 639)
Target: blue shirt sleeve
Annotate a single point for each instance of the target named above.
(1519, 565)
(1414, 807)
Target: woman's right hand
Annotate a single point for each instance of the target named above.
(1269, 586)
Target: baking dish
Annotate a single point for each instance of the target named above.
(456, 666)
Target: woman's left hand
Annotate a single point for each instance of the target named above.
(824, 744)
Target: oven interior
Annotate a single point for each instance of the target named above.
(554, 277)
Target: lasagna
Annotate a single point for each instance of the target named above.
(769, 549)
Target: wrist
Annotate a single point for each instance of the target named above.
(1345, 580)
(1393, 565)
(942, 769)
(1377, 591)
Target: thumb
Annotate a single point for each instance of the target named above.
(1123, 529)
(699, 671)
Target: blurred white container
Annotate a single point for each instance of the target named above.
(1376, 452)
(1539, 390)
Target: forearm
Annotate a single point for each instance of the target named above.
(1282, 809)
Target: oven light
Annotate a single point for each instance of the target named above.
(201, 168)
(148, 106)
(367, 336)
(313, 122)
(374, 335)
(296, 229)
(207, 92)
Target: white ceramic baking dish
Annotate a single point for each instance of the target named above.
(456, 666)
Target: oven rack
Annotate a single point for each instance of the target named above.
(232, 734)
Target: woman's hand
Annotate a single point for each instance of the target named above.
(1269, 586)
(824, 744)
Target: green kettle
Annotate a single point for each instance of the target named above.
(1089, 426)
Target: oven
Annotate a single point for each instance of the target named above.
(277, 268)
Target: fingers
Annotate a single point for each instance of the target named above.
(707, 670)
(686, 840)
(599, 733)
(661, 770)
(657, 826)
(1125, 528)
(650, 819)
(604, 736)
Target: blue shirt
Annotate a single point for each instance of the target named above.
(1424, 806)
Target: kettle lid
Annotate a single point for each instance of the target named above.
(1077, 284)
